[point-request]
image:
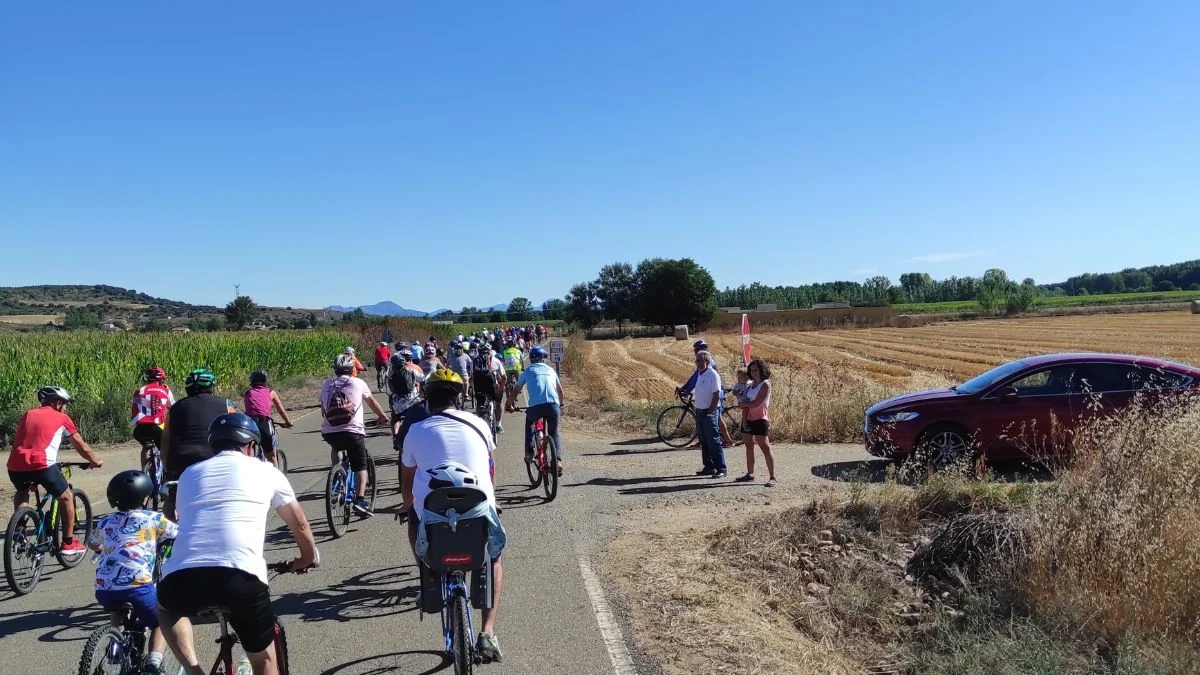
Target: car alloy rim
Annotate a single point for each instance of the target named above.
(947, 446)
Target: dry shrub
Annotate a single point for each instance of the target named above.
(1115, 546)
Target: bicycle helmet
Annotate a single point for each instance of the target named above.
(230, 430)
(538, 353)
(154, 374)
(443, 377)
(129, 489)
(202, 378)
(258, 377)
(48, 395)
(451, 474)
(349, 350)
(699, 345)
(343, 364)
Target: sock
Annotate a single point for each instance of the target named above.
(154, 659)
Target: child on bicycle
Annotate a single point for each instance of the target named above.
(127, 541)
(258, 401)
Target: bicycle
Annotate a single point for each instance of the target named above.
(381, 377)
(487, 412)
(542, 469)
(340, 489)
(120, 647)
(281, 461)
(677, 424)
(154, 468)
(34, 532)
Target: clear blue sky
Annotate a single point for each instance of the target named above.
(514, 148)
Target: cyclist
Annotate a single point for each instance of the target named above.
(726, 440)
(150, 403)
(404, 387)
(358, 366)
(34, 456)
(127, 542)
(461, 364)
(258, 401)
(417, 352)
(185, 429)
(342, 398)
(514, 362)
(545, 400)
(489, 382)
(382, 354)
(430, 362)
(217, 559)
(450, 435)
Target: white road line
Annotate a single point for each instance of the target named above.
(610, 631)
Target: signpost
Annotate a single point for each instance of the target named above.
(557, 349)
(745, 340)
(387, 335)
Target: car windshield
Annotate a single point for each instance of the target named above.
(980, 383)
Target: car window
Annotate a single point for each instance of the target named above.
(983, 381)
(1145, 377)
(1048, 381)
(1098, 378)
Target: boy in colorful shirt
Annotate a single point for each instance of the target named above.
(127, 541)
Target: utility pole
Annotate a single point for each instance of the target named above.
(237, 291)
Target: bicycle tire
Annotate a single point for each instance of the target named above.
(156, 478)
(97, 645)
(462, 647)
(281, 652)
(676, 426)
(533, 470)
(21, 587)
(372, 484)
(335, 498)
(550, 475)
(734, 426)
(281, 462)
(83, 529)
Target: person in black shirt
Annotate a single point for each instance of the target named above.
(185, 429)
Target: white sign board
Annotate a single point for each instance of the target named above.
(557, 348)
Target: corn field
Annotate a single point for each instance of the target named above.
(102, 370)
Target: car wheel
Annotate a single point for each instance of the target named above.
(945, 446)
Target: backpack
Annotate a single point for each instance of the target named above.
(339, 409)
(512, 359)
(403, 381)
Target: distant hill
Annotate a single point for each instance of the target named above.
(389, 308)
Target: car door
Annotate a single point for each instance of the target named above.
(1031, 415)
(1106, 388)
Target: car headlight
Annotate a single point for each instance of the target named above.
(892, 418)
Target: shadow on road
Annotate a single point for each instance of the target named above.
(876, 471)
(60, 621)
(619, 482)
(393, 663)
(625, 451)
(360, 596)
(637, 441)
(684, 487)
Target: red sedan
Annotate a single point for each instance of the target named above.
(1025, 409)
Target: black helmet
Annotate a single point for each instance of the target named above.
(699, 345)
(258, 377)
(129, 489)
(234, 429)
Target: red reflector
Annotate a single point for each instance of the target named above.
(456, 559)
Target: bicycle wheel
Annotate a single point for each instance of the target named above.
(152, 468)
(372, 485)
(22, 561)
(677, 426)
(335, 500)
(281, 461)
(734, 427)
(83, 529)
(550, 475)
(463, 647)
(281, 653)
(104, 653)
(533, 470)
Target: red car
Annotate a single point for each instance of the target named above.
(1023, 409)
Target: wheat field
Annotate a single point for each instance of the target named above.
(824, 380)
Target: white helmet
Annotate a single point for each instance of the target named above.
(343, 363)
(451, 474)
(46, 395)
(349, 350)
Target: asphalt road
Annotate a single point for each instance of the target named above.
(357, 613)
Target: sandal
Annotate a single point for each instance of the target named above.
(771, 481)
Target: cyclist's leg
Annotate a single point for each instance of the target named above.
(23, 482)
(142, 434)
(356, 451)
(55, 483)
(552, 415)
(266, 434)
(253, 620)
(530, 419)
(176, 602)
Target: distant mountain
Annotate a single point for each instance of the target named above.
(385, 308)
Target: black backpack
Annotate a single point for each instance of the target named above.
(402, 381)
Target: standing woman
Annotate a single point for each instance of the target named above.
(758, 420)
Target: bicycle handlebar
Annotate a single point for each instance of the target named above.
(77, 465)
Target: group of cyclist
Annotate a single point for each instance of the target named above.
(209, 454)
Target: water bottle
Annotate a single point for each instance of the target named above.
(243, 667)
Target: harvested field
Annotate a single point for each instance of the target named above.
(824, 380)
(32, 319)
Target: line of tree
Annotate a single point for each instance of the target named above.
(658, 292)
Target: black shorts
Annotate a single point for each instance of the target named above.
(186, 592)
(353, 445)
(485, 389)
(50, 478)
(266, 431)
(756, 427)
(148, 434)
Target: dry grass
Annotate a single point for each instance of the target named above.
(32, 319)
(825, 380)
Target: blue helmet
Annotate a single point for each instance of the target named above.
(234, 429)
(538, 353)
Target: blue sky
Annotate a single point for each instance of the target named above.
(504, 149)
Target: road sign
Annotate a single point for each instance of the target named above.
(387, 335)
(557, 349)
(745, 340)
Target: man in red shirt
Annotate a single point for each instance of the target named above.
(34, 457)
(382, 354)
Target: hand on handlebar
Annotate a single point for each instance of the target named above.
(95, 463)
(285, 425)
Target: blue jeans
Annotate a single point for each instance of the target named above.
(712, 452)
(143, 598)
(549, 412)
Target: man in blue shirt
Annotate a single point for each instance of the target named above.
(726, 440)
(545, 401)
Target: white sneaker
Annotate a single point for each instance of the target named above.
(499, 428)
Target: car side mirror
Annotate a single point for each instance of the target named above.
(1007, 393)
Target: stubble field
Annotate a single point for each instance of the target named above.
(825, 380)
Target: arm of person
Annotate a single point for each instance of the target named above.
(759, 396)
(374, 405)
(690, 384)
(297, 522)
(275, 401)
(165, 446)
(85, 451)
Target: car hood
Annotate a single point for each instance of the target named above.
(911, 398)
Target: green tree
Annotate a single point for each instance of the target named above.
(582, 306)
(1165, 286)
(354, 316)
(554, 309)
(81, 318)
(520, 309)
(673, 292)
(312, 319)
(496, 316)
(993, 290)
(877, 288)
(240, 312)
(616, 288)
(300, 323)
(214, 323)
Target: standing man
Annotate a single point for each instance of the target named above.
(545, 399)
(726, 439)
(708, 414)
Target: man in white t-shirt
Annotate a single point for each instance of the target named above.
(217, 560)
(707, 397)
(343, 428)
(449, 434)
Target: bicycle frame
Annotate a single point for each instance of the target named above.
(453, 585)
